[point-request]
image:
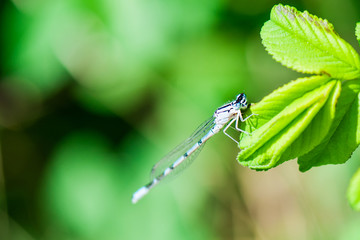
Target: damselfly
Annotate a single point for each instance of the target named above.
(186, 152)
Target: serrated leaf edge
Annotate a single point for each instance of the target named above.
(294, 14)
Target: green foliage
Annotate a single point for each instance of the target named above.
(308, 44)
(354, 191)
(303, 115)
(282, 125)
(343, 137)
(93, 93)
(315, 119)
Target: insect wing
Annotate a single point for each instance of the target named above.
(181, 149)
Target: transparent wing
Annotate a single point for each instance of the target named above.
(187, 162)
(181, 149)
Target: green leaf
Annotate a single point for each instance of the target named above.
(275, 102)
(353, 192)
(296, 104)
(357, 31)
(344, 135)
(317, 130)
(308, 44)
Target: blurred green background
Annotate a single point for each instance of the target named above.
(93, 93)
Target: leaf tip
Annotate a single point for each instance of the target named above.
(357, 31)
(290, 12)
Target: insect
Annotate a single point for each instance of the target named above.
(186, 152)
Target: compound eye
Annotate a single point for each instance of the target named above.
(241, 99)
